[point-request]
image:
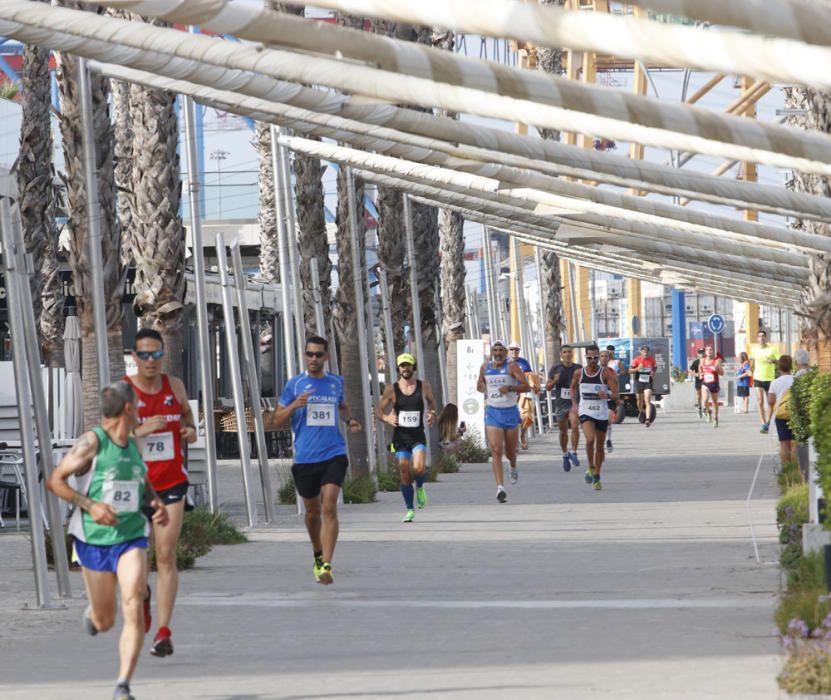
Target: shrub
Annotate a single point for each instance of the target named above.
(360, 490)
(447, 465)
(789, 475)
(470, 449)
(286, 494)
(808, 665)
(792, 514)
(808, 572)
(809, 606)
(821, 433)
(389, 479)
(201, 530)
(801, 393)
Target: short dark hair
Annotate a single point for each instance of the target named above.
(764, 333)
(566, 346)
(115, 396)
(317, 340)
(610, 348)
(592, 347)
(785, 363)
(700, 351)
(148, 333)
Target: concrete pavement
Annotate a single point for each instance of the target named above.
(647, 589)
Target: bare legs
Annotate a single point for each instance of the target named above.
(502, 442)
(165, 540)
(322, 520)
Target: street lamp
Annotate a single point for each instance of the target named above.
(219, 155)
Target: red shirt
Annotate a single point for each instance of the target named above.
(709, 372)
(162, 449)
(647, 364)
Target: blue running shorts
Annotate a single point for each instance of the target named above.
(503, 418)
(98, 557)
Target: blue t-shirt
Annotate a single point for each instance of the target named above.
(522, 363)
(315, 426)
(743, 381)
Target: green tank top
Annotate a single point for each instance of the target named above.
(117, 478)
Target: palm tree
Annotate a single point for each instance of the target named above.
(551, 285)
(158, 242)
(37, 199)
(391, 258)
(76, 197)
(814, 112)
(266, 214)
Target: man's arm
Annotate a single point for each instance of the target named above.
(387, 400)
(518, 374)
(430, 400)
(634, 366)
(614, 387)
(552, 379)
(188, 430)
(76, 462)
(480, 384)
(575, 382)
(354, 425)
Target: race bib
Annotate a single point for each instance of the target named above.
(409, 419)
(709, 378)
(494, 395)
(320, 414)
(565, 393)
(594, 407)
(157, 447)
(645, 378)
(123, 496)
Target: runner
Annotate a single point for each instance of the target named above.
(524, 401)
(559, 381)
(607, 360)
(498, 379)
(693, 372)
(108, 524)
(763, 359)
(407, 397)
(594, 390)
(709, 371)
(166, 422)
(643, 367)
(314, 402)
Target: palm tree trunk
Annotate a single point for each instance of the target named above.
(37, 201)
(266, 214)
(815, 306)
(391, 258)
(70, 123)
(346, 321)
(550, 60)
(158, 243)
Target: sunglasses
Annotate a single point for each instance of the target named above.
(592, 357)
(318, 355)
(147, 354)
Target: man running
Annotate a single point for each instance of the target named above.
(314, 402)
(525, 401)
(498, 379)
(559, 381)
(643, 367)
(108, 524)
(166, 423)
(594, 390)
(710, 370)
(607, 360)
(695, 365)
(407, 397)
(763, 359)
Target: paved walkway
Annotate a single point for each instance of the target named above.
(647, 589)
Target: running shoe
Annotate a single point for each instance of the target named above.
(575, 462)
(514, 475)
(715, 423)
(122, 692)
(163, 643)
(609, 447)
(421, 497)
(409, 517)
(765, 428)
(148, 617)
(641, 417)
(596, 485)
(709, 417)
(318, 567)
(589, 478)
(86, 621)
(524, 445)
(501, 496)
(566, 463)
(700, 413)
(326, 576)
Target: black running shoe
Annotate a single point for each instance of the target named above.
(122, 692)
(641, 417)
(163, 643)
(501, 496)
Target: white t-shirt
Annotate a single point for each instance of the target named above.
(780, 385)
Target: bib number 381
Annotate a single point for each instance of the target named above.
(123, 496)
(157, 447)
(320, 414)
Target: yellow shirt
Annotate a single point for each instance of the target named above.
(763, 369)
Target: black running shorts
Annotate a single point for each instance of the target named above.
(310, 476)
(601, 426)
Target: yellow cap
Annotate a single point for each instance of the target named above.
(405, 359)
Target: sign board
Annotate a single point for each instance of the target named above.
(715, 323)
(471, 403)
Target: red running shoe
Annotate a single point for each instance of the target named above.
(163, 644)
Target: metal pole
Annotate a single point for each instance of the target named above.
(206, 365)
(320, 323)
(27, 319)
(373, 362)
(253, 381)
(477, 330)
(292, 367)
(387, 316)
(94, 215)
(489, 291)
(291, 240)
(789, 330)
(357, 269)
(21, 358)
(504, 319)
(543, 327)
(445, 388)
(411, 263)
(236, 378)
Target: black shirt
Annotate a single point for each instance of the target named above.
(566, 375)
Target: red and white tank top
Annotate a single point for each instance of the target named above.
(162, 450)
(709, 372)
